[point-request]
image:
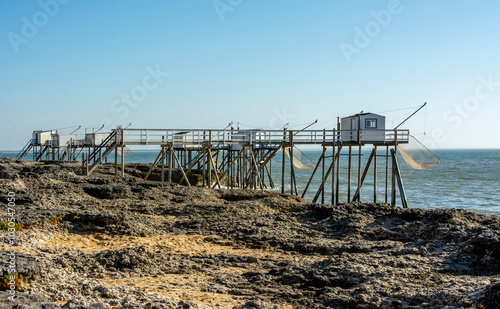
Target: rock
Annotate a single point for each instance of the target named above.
(270, 250)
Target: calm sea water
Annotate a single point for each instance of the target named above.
(467, 179)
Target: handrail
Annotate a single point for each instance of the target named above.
(101, 145)
(198, 137)
(25, 148)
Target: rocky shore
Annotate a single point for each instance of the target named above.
(106, 242)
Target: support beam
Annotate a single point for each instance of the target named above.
(362, 180)
(402, 193)
(322, 186)
(180, 166)
(375, 176)
(321, 158)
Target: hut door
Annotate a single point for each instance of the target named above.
(353, 134)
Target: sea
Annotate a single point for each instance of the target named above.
(465, 179)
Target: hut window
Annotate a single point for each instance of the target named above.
(371, 123)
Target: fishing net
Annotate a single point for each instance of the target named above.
(417, 155)
(300, 160)
(126, 152)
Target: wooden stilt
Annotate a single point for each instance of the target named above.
(261, 184)
(349, 175)
(212, 162)
(195, 161)
(171, 152)
(386, 173)
(359, 166)
(337, 184)
(181, 169)
(283, 147)
(321, 158)
(375, 176)
(362, 179)
(163, 164)
(204, 166)
(160, 154)
(291, 163)
(402, 193)
(322, 186)
(123, 161)
(333, 173)
(116, 162)
(393, 183)
(323, 173)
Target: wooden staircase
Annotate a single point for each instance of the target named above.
(95, 158)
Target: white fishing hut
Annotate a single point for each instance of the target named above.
(187, 139)
(363, 128)
(95, 139)
(40, 138)
(62, 140)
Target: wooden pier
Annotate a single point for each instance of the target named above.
(242, 159)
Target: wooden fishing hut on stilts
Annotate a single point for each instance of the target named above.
(257, 159)
(242, 159)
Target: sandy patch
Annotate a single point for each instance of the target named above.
(175, 244)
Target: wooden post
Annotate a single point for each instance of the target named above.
(359, 167)
(270, 172)
(375, 176)
(293, 181)
(323, 172)
(393, 191)
(203, 166)
(184, 176)
(123, 161)
(386, 173)
(337, 184)
(212, 162)
(393, 182)
(230, 167)
(162, 163)
(184, 158)
(243, 174)
(154, 164)
(322, 186)
(283, 168)
(313, 173)
(171, 163)
(402, 193)
(86, 164)
(83, 164)
(333, 173)
(349, 175)
(291, 161)
(209, 153)
(357, 194)
(261, 184)
(122, 141)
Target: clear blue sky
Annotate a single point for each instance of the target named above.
(263, 63)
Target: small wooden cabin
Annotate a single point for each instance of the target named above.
(95, 139)
(61, 140)
(363, 127)
(42, 137)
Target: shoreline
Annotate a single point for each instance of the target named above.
(111, 243)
